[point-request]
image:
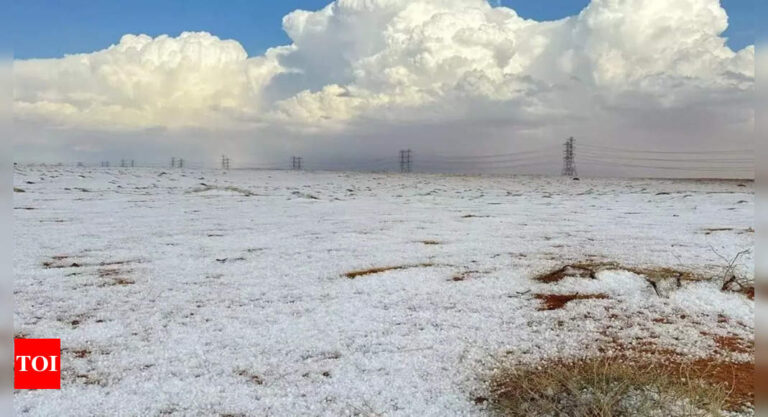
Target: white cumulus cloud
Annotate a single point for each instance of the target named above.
(628, 66)
(388, 58)
(193, 79)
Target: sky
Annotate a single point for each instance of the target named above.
(648, 87)
(44, 29)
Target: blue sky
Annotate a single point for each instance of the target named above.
(43, 29)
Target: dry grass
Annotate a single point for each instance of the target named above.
(660, 273)
(589, 269)
(607, 387)
(586, 269)
(378, 270)
(710, 230)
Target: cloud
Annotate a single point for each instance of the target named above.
(427, 58)
(355, 64)
(195, 79)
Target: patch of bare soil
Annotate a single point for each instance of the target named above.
(87, 376)
(579, 270)
(558, 301)
(734, 344)
(378, 270)
(710, 230)
(232, 189)
(252, 377)
(68, 261)
(114, 274)
(114, 277)
(738, 378)
(81, 353)
(61, 261)
(462, 276)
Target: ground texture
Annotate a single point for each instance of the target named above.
(183, 292)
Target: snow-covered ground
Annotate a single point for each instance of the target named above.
(184, 292)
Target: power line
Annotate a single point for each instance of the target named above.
(543, 159)
(703, 160)
(504, 161)
(625, 150)
(676, 168)
(495, 164)
(545, 150)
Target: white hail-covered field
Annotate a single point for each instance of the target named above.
(183, 292)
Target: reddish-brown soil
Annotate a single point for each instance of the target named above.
(558, 301)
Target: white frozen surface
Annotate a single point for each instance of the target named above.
(193, 286)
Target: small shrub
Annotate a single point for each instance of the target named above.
(605, 387)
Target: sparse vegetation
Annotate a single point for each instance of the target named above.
(579, 270)
(590, 269)
(661, 279)
(730, 277)
(606, 387)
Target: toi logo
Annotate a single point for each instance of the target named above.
(37, 364)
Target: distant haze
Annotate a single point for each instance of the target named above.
(647, 88)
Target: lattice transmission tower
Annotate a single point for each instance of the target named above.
(569, 162)
(405, 160)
